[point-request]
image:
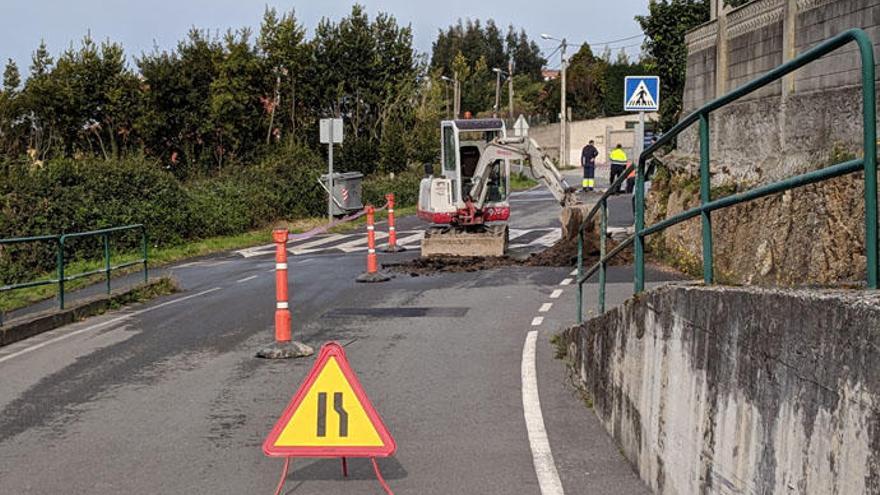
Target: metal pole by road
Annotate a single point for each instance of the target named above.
(497, 92)
(510, 87)
(457, 97)
(330, 175)
(563, 117)
(447, 82)
(563, 151)
(640, 138)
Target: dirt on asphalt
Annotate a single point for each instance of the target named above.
(561, 254)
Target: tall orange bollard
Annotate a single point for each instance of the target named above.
(284, 346)
(392, 246)
(372, 274)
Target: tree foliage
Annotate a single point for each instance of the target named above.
(216, 101)
(664, 27)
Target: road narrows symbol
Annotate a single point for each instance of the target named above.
(343, 416)
(322, 414)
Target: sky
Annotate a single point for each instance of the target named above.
(140, 25)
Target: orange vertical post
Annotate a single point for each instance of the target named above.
(283, 346)
(392, 228)
(282, 306)
(372, 274)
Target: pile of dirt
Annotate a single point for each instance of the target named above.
(561, 254)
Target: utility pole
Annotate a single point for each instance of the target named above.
(563, 111)
(498, 72)
(457, 96)
(563, 124)
(510, 87)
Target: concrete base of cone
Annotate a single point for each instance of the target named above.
(285, 350)
(371, 278)
(395, 249)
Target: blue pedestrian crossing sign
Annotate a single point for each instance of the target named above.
(641, 94)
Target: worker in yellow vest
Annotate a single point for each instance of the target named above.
(618, 165)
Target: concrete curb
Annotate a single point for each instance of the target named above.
(49, 320)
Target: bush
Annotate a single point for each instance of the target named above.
(80, 195)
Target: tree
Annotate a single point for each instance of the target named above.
(282, 43)
(11, 77)
(664, 27)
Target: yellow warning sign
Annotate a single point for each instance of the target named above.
(330, 415)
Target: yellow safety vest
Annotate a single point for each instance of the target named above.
(618, 155)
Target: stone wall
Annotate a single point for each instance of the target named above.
(791, 125)
(739, 390)
(808, 120)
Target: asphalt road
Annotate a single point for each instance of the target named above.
(167, 397)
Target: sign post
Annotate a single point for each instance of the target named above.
(641, 94)
(330, 134)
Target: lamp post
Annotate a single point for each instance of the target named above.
(446, 87)
(498, 73)
(563, 114)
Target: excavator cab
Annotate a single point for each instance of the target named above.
(463, 143)
(468, 203)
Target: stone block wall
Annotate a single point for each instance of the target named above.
(791, 125)
(723, 391)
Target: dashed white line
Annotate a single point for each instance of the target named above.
(545, 307)
(555, 294)
(536, 321)
(245, 279)
(542, 456)
(574, 273)
(565, 282)
(105, 324)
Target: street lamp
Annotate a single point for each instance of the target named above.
(446, 88)
(498, 73)
(563, 121)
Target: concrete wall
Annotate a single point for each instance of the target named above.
(792, 125)
(739, 390)
(603, 131)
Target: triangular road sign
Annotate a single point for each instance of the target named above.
(330, 415)
(641, 98)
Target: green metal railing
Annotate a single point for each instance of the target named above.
(60, 242)
(868, 164)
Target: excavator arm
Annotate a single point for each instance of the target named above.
(520, 148)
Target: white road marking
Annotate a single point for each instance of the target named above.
(105, 324)
(542, 456)
(359, 244)
(305, 247)
(545, 307)
(574, 272)
(548, 239)
(565, 282)
(410, 239)
(536, 321)
(555, 294)
(245, 279)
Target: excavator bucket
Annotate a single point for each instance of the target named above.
(571, 217)
(487, 241)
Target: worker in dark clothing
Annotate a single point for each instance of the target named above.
(588, 161)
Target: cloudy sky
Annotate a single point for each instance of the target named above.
(141, 24)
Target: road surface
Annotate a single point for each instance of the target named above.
(167, 397)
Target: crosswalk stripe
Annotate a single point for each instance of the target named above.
(410, 239)
(358, 244)
(548, 239)
(322, 241)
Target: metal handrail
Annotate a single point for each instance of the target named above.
(868, 164)
(61, 241)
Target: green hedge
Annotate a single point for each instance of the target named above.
(79, 195)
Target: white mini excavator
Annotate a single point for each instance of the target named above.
(468, 204)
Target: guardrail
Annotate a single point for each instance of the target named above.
(868, 164)
(61, 240)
